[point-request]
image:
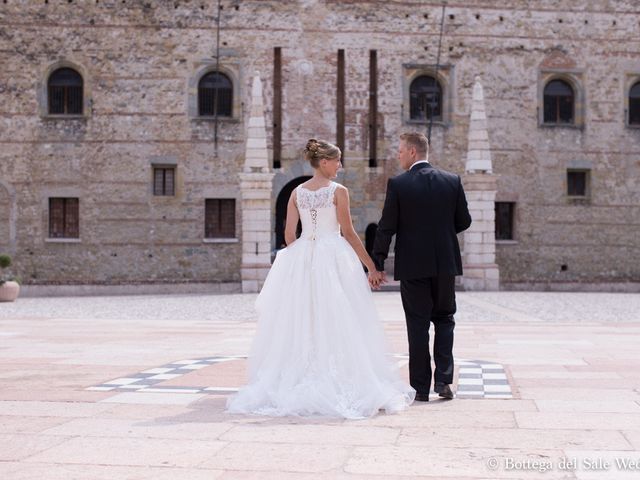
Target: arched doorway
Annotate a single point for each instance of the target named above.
(370, 237)
(281, 209)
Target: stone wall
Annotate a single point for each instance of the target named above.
(141, 60)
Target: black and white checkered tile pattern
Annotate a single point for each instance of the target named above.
(147, 379)
(476, 379)
(481, 379)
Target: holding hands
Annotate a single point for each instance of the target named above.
(377, 279)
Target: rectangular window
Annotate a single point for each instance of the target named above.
(504, 220)
(578, 183)
(64, 221)
(220, 218)
(164, 181)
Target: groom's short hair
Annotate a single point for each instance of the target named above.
(416, 140)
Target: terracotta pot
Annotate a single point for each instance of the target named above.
(9, 291)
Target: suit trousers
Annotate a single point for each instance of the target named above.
(424, 301)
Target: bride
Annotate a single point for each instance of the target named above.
(320, 348)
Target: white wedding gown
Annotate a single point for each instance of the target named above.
(319, 348)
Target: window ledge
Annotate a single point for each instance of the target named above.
(164, 163)
(377, 170)
(220, 240)
(62, 240)
(441, 123)
(62, 116)
(213, 119)
(579, 200)
(571, 126)
(634, 126)
(506, 242)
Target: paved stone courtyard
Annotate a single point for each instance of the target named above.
(133, 387)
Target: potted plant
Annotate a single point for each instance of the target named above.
(9, 288)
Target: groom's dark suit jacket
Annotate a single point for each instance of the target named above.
(425, 208)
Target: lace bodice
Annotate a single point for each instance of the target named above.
(317, 211)
(321, 198)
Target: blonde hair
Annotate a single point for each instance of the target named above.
(317, 150)
(416, 140)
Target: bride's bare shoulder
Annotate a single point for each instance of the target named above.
(341, 194)
(341, 188)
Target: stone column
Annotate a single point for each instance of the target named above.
(479, 255)
(256, 229)
(255, 187)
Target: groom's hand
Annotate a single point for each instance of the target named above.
(374, 279)
(383, 277)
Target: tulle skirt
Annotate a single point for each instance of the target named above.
(319, 348)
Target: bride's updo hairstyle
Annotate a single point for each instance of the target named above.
(317, 150)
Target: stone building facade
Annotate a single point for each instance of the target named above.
(141, 63)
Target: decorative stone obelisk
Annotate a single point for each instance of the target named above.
(255, 186)
(479, 255)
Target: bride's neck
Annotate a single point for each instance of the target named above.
(320, 177)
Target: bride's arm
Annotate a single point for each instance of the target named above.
(350, 235)
(292, 220)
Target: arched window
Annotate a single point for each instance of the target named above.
(370, 237)
(425, 97)
(64, 90)
(559, 101)
(215, 95)
(634, 104)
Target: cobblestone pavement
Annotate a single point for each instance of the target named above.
(133, 387)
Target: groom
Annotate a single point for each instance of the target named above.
(425, 208)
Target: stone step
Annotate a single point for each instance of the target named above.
(394, 286)
(390, 286)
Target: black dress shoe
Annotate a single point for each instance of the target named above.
(443, 390)
(422, 397)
